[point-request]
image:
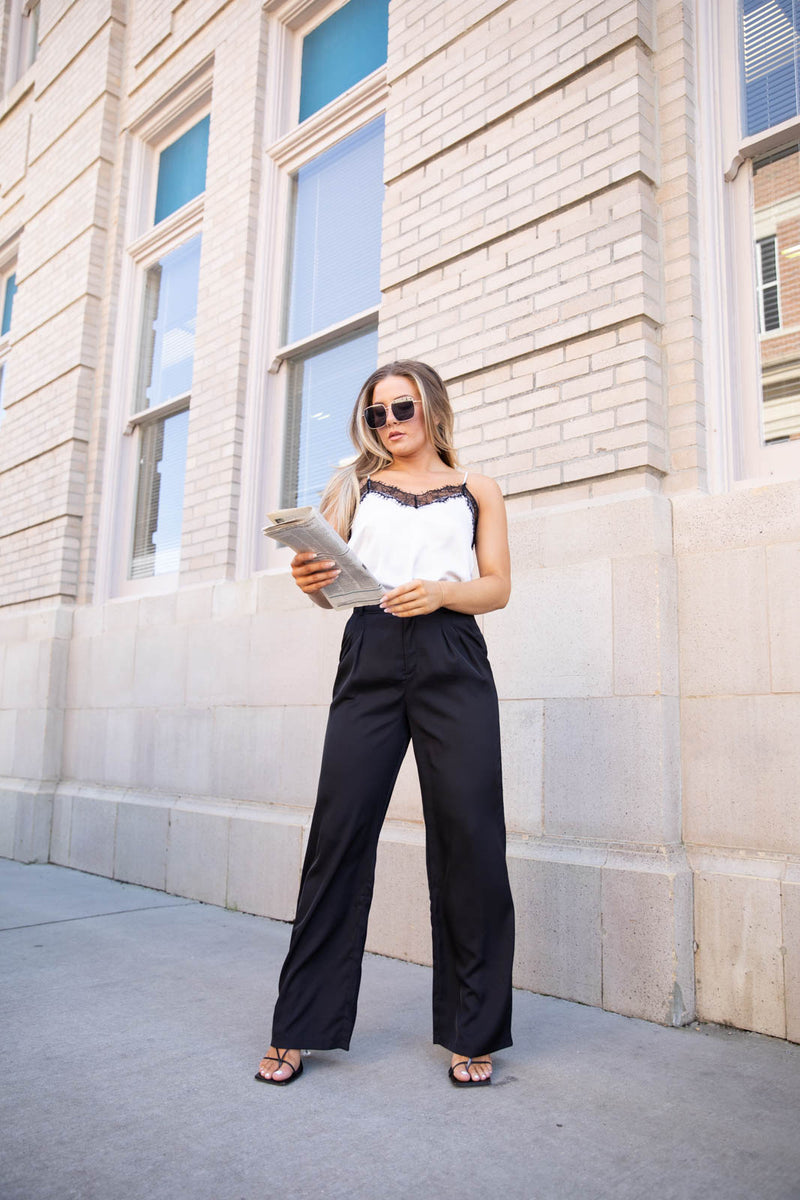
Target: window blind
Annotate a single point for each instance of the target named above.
(159, 500)
(770, 42)
(338, 201)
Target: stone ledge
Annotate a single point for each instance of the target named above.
(26, 808)
(748, 516)
(605, 924)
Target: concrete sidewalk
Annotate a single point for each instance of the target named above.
(133, 1022)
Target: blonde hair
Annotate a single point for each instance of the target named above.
(341, 497)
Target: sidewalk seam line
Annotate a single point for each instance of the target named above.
(93, 916)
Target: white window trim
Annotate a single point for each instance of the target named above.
(158, 412)
(287, 146)
(314, 341)
(145, 244)
(730, 315)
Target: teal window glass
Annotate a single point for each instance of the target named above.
(159, 496)
(166, 352)
(348, 46)
(323, 387)
(771, 62)
(8, 303)
(182, 170)
(336, 254)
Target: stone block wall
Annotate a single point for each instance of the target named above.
(34, 652)
(191, 741)
(738, 565)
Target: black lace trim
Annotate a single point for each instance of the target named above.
(421, 499)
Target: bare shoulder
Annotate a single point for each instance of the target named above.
(485, 489)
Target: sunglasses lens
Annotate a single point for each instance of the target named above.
(375, 416)
(403, 410)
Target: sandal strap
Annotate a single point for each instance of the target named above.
(472, 1062)
(281, 1059)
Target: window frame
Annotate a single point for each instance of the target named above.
(288, 145)
(144, 244)
(23, 26)
(733, 385)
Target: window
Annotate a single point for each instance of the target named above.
(770, 68)
(750, 196)
(322, 390)
(334, 275)
(333, 168)
(22, 40)
(182, 170)
(341, 51)
(776, 208)
(8, 290)
(163, 383)
(318, 278)
(168, 258)
(769, 316)
(769, 42)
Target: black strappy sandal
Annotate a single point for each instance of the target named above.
(284, 1062)
(467, 1063)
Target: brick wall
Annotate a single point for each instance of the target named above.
(57, 140)
(521, 239)
(539, 246)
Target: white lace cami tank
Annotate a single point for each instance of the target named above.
(407, 535)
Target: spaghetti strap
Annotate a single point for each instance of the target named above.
(464, 480)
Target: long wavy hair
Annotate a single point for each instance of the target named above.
(341, 497)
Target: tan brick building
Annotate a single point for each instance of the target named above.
(199, 261)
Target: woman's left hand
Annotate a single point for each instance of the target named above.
(415, 598)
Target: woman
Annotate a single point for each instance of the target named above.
(414, 520)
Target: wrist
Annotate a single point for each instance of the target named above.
(443, 587)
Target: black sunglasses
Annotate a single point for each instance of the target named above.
(402, 410)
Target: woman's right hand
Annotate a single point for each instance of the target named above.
(311, 575)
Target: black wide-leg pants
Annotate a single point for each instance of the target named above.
(425, 678)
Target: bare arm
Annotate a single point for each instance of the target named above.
(485, 594)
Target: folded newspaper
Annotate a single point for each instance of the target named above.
(306, 529)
